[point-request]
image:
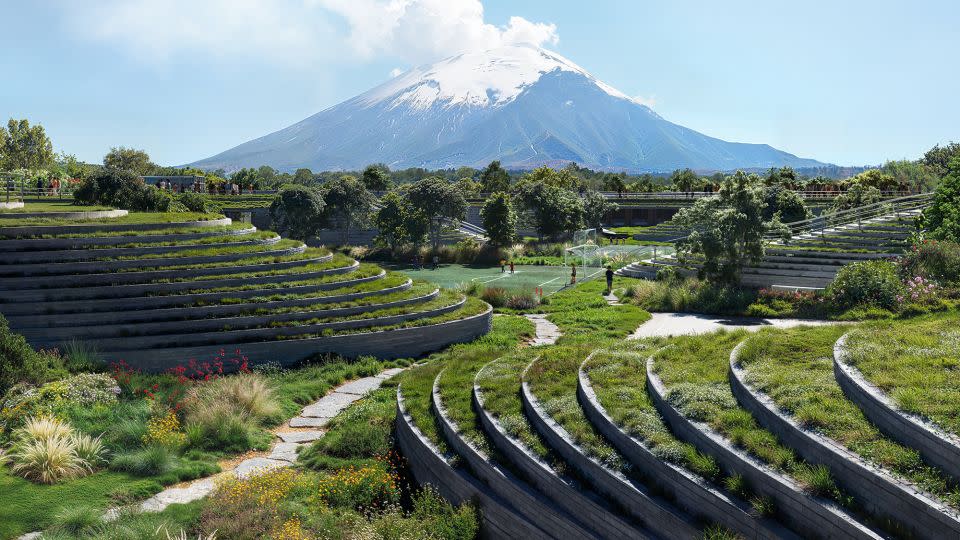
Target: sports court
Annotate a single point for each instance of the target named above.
(524, 278)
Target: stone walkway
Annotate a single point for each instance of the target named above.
(678, 324)
(300, 430)
(547, 332)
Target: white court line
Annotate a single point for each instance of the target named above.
(551, 281)
(496, 278)
(595, 273)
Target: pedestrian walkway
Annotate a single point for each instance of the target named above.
(300, 430)
(680, 324)
(547, 333)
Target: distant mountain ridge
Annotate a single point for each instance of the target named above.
(523, 105)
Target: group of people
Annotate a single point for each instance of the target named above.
(176, 187)
(418, 264)
(51, 188)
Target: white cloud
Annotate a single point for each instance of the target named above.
(649, 101)
(395, 72)
(299, 32)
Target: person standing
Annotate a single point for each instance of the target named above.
(436, 261)
(573, 273)
(609, 279)
(39, 187)
(511, 267)
(503, 265)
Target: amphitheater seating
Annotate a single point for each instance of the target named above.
(603, 448)
(810, 260)
(160, 293)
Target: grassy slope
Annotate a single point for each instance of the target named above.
(795, 368)
(916, 363)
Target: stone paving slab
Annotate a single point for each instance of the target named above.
(252, 465)
(285, 451)
(387, 373)
(329, 405)
(299, 436)
(310, 421)
(547, 332)
(194, 491)
(360, 387)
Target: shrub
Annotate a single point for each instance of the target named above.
(495, 296)
(148, 461)
(247, 509)
(19, 363)
(939, 261)
(522, 301)
(442, 520)
(164, 430)
(195, 202)
(121, 189)
(866, 283)
(466, 250)
(225, 413)
(84, 390)
(364, 488)
(669, 274)
(43, 427)
(47, 460)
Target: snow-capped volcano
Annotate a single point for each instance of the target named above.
(521, 104)
(486, 78)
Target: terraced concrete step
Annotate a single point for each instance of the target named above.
(83, 254)
(39, 244)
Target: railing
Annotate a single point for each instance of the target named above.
(818, 225)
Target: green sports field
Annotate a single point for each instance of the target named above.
(525, 278)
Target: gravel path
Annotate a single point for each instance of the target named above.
(678, 324)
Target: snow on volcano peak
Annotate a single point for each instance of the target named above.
(488, 78)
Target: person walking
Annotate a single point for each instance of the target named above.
(609, 279)
(503, 265)
(436, 261)
(511, 267)
(573, 273)
(39, 187)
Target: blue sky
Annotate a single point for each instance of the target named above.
(848, 82)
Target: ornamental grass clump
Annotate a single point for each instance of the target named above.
(48, 450)
(226, 413)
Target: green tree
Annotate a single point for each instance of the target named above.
(297, 211)
(875, 178)
(564, 178)
(24, 146)
(469, 187)
(304, 177)
(942, 217)
(548, 209)
(494, 178)
(376, 177)
(727, 230)
(347, 205)
(939, 157)
(437, 200)
(684, 180)
(595, 208)
(912, 175)
(615, 182)
(392, 220)
(784, 204)
(499, 219)
(784, 176)
(128, 159)
(855, 196)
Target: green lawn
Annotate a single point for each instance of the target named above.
(52, 205)
(524, 279)
(916, 362)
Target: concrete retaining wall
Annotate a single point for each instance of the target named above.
(137, 283)
(40, 230)
(257, 329)
(937, 447)
(691, 492)
(656, 514)
(71, 255)
(409, 342)
(198, 324)
(94, 214)
(11, 205)
(429, 467)
(605, 522)
(75, 269)
(125, 297)
(878, 492)
(134, 314)
(31, 244)
(524, 500)
(814, 517)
